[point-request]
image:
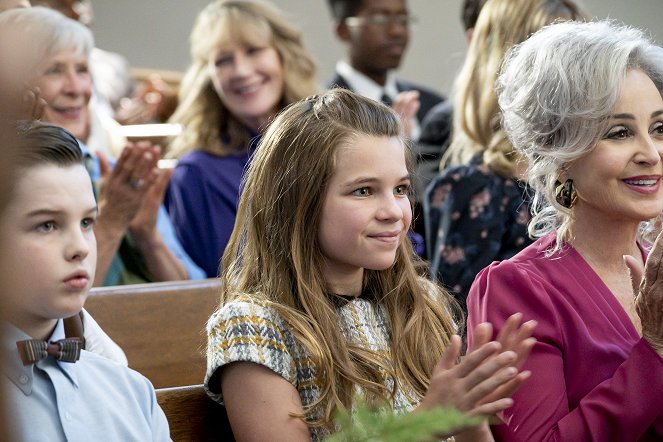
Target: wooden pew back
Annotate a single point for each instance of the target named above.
(193, 416)
(160, 326)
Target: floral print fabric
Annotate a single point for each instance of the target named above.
(473, 217)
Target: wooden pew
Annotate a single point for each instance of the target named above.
(160, 326)
(193, 416)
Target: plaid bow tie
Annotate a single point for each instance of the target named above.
(33, 350)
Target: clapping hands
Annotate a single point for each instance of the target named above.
(482, 383)
(648, 292)
(123, 189)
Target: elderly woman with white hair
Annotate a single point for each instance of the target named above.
(582, 102)
(135, 239)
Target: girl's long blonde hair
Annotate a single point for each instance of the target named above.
(477, 126)
(274, 258)
(207, 123)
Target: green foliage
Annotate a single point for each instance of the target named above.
(383, 425)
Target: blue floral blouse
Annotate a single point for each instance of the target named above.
(473, 217)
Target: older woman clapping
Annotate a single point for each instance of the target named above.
(583, 103)
(135, 239)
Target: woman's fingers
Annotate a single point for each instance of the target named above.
(649, 299)
(653, 265)
(636, 272)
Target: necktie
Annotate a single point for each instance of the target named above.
(34, 350)
(386, 99)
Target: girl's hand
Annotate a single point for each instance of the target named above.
(514, 336)
(484, 380)
(464, 385)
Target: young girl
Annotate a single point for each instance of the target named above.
(321, 294)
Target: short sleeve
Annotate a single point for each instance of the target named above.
(248, 332)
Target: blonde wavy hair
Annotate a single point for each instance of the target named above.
(274, 258)
(200, 111)
(476, 126)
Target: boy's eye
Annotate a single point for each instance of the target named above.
(618, 133)
(364, 191)
(46, 226)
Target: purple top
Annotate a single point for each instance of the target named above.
(593, 377)
(202, 202)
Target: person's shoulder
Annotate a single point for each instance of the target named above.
(114, 375)
(239, 313)
(440, 113)
(437, 125)
(195, 159)
(463, 175)
(534, 261)
(194, 167)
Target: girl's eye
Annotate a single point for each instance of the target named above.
(364, 191)
(657, 128)
(82, 69)
(618, 133)
(402, 190)
(87, 223)
(46, 226)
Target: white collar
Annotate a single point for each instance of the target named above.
(365, 86)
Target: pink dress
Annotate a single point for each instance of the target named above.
(593, 377)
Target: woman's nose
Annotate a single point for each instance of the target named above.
(650, 150)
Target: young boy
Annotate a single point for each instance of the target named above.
(55, 391)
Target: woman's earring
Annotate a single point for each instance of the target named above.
(565, 194)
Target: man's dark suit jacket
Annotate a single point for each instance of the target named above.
(427, 98)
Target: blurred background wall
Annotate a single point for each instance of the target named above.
(155, 33)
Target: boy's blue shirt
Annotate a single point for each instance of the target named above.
(164, 226)
(91, 399)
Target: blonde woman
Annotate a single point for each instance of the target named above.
(476, 211)
(248, 63)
